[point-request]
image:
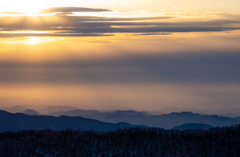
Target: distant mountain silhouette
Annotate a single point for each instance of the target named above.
(237, 118)
(130, 113)
(50, 109)
(96, 114)
(76, 112)
(16, 109)
(19, 121)
(226, 112)
(193, 126)
(30, 112)
(167, 121)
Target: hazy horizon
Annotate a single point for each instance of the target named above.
(45, 110)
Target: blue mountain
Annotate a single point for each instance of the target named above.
(20, 121)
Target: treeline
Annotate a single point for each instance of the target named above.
(131, 142)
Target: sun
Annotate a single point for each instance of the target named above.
(37, 40)
(27, 41)
(32, 41)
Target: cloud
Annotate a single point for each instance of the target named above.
(52, 35)
(89, 25)
(12, 13)
(72, 9)
(161, 33)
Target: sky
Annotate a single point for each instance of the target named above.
(129, 54)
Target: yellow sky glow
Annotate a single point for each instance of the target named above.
(29, 6)
(167, 48)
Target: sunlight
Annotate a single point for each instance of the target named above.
(30, 40)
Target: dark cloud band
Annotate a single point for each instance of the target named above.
(72, 9)
(191, 68)
(94, 25)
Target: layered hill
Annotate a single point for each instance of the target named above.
(19, 121)
(167, 121)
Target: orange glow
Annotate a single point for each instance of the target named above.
(30, 40)
(105, 96)
(35, 49)
(130, 57)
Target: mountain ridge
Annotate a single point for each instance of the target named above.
(20, 121)
(167, 121)
(30, 112)
(193, 126)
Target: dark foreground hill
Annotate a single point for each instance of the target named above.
(19, 121)
(131, 142)
(193, 126)
(167, 121)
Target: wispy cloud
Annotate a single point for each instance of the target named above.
(72, 9)
(12, 13)
(12, 35)
(95, 25)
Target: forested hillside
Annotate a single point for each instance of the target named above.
(131, 142)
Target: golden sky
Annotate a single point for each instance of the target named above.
(129, 5)
(142, 55)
